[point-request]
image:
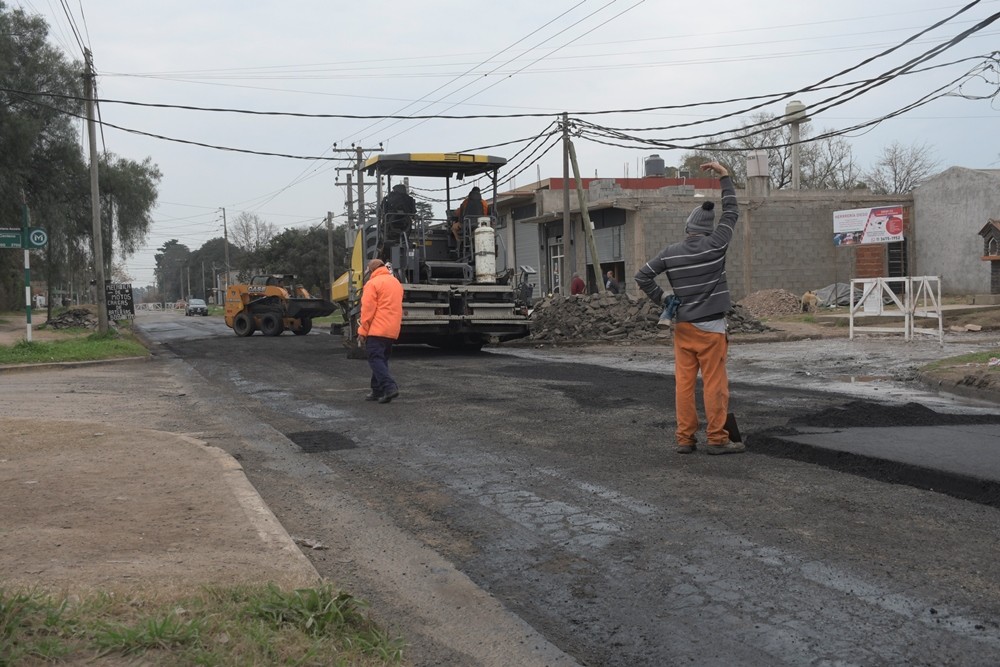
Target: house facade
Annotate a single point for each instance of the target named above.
(783, 240)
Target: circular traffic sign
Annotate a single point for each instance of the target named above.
(37, 238)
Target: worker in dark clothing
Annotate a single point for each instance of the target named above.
(472, 206)
(398, 212)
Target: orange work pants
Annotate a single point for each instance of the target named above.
(695, 349)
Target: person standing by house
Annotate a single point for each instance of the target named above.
(577, 286)
(381, 320)
(696, 269)
(611, 284)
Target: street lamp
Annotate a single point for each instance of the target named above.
(795, 114)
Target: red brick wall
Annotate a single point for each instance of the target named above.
(869, 262)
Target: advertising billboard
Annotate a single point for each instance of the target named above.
(882, 224)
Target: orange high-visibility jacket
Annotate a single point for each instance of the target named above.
(381, 305)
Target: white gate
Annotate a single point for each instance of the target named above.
(921, 298)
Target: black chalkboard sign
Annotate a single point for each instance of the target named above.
(119, 299)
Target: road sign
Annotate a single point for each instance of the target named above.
(10, 237)
(37, 238)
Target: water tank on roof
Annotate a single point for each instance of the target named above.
(655, 166)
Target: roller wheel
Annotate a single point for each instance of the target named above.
(305, 326)
(243, 325)
(271, 324)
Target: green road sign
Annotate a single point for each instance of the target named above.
(10, 237)
(37, 238)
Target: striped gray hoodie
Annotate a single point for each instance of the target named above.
(696, 267)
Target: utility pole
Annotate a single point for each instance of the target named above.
(569, 252)
(188, 295)
(359, 163)
(588, 226)
(95, 194)
(225, 240)
(329, 245)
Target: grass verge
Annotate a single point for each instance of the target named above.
(77, 347)
(221, 626)
(971, 359)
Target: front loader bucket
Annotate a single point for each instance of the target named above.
(311, 308)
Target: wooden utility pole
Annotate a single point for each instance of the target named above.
(588, 226)
(95, 194)
(569, 250)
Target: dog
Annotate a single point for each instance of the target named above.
(810, 303)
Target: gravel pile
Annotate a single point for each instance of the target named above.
(613, 318)
(772, 303)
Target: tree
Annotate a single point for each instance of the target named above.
(128, 193)
(826, 163)
(251, 234)
(171, 260)
(41, 163)
(305, 253)
(900, 168)
(39, 158)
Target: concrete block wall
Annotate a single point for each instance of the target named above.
(951, 208)
(784, 241)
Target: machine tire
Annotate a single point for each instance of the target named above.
(305, 326)
(243, 325)
(271, 324)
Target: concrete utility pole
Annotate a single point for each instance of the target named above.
(95, 194)
(359, 163)
(569, 253)
(588, 226)
(329, 245)
(225, 249)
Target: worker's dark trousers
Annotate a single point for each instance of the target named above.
(379, 350)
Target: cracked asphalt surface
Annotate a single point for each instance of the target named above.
(548, 478)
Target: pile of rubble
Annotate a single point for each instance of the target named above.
(772, 303)
(79, 318)
(609, 317)
(612, 318)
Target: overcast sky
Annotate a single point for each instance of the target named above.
(448, 57)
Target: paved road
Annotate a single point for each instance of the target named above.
(551, 485)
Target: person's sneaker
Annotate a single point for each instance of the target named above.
(728, 448)
(686, 449)
(372, 396)
(389, 396)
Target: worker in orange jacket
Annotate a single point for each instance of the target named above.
(381, 320)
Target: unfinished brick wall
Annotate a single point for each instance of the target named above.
(869, 261)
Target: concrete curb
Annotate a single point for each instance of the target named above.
(260, 516)
(22, 368)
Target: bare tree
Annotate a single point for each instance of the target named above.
(829, 164)
(250, 233)
(825, 163)
(901, 168)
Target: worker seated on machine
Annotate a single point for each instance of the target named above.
(398, 212)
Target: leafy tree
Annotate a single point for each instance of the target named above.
(306, 253)
(41, 163)
(128, 195)
(39, 159)
(209, 261)
(900, 168)
(171, 260)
